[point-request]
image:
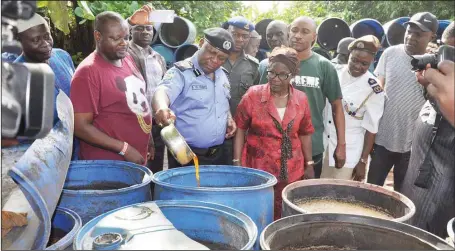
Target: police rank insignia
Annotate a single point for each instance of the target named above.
(374, 85)
(169, 75)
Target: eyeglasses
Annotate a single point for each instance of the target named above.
(281, 76)
(244, 36)
(141, 28)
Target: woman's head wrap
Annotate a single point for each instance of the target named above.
(287, 56)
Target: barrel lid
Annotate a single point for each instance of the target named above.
(144, 226)
(331, 31)
(367, 26)
(261, 28)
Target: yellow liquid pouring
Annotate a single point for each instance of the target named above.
(196, 165)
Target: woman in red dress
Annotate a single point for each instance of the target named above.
(278, 120)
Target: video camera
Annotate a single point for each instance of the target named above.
(27, 88)
(445, 52)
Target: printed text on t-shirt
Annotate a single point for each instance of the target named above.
(306, 81)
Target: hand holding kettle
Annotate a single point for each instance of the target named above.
(164, 116)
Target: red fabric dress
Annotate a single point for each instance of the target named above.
(263, 145)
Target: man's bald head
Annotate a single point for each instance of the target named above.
(307, 20)
(302, 34)
(277, 34)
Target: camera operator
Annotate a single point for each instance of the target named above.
(36, 41)
(430, 179)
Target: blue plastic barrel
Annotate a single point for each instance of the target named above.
(442, 26)
(166, 52)
(216, 226)
(367, 26)
(94, 187)
(65, 224)
(394, 31)
(181, 31)
(245, 189)
(185, 51)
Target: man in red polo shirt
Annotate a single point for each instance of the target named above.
(111, 114)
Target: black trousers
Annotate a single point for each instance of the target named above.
(317, 165)
(382, 160)
(216, 157)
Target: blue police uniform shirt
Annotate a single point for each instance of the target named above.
(200, 104)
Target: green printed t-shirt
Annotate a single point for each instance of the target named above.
(318, 79)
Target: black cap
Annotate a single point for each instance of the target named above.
(220, 39)
(425, 21)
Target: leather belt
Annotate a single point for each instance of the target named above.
(206, 152)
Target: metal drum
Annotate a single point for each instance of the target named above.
(398, 206)
(346, 232)
(245, 189)
(181, 31)
(216, 226)
(331, 31)
(93, 187)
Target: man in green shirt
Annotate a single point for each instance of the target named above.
(319, 80)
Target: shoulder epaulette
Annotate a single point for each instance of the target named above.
(374, 85)
(253, 59)
(184, 65)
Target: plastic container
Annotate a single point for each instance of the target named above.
(347, 232)
(181, 31)
(261, 28)
(40, 174)
(166, 52)
(367, 26)
(216, 226)
(394, 31)
(331, 31)
(65, 224)
(185, 51)
(245, 189)
(442, 26)
(397, 205)
(94, 187)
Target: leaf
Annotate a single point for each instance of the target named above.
(79, 12)
(41, 4)
(58, 12)
(86, 10)
(83, 21)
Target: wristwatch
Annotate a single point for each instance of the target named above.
(309, 163)
(363, 160)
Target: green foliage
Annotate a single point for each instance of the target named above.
(351, 11)
(58, 13)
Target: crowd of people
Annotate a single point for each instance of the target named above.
(296, 114)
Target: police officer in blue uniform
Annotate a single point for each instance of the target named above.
(195, 93)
